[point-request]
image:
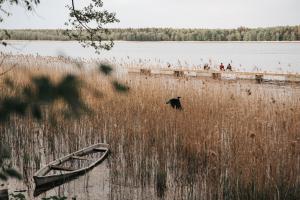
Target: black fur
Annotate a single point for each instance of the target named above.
(175, 103)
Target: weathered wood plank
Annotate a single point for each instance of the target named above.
(81, 158)
(180, 72)
(100, 149)
(55, 167)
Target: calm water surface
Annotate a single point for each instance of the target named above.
(244, 56)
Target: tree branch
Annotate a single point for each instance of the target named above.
(79, 21)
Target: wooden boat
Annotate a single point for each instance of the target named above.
(72, 165)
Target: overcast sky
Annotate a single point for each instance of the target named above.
(169, 13)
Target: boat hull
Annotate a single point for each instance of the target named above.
(40, 181)
(41, 178)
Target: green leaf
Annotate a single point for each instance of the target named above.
(13, 173)
(13, 105)
(9, 83)
(28, 92)
(45, 89)
(69, 91)
(36, 112)
(119, 87)
(68, 88)
(106, 69)
(4, 152)
(3, 177)
(18, 196)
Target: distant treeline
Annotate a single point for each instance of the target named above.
(283, 33)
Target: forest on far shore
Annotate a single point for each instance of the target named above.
(281, 33)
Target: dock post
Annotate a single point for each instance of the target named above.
(179, 73)
(146, 72)
(216, 75)
(259, 78)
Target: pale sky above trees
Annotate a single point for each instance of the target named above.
(169, 13)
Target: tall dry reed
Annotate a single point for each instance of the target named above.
(225, 144)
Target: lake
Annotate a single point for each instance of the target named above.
(243, 56)
(226, 127)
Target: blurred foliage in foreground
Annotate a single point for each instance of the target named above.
(6, 170)
(33, 99)
(43, 92)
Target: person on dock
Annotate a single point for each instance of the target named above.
(229, 67)
(175, 103)
(222, 68)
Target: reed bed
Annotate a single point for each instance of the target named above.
(126, 63)
(233, 140)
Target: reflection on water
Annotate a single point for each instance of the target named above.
(82, 187)
(28, 155)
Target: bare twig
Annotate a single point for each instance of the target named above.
(4, 11)
(2, 61)
(8, 70)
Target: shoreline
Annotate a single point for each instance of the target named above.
(179, 72)
(166, 41)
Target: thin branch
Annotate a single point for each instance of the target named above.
(3, 73)
(79, 21)
(2, 61)
(4, 11)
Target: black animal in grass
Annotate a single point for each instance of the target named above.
(175, 103)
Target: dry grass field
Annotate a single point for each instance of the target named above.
(232, 140)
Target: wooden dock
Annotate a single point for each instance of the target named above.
(220, 75)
